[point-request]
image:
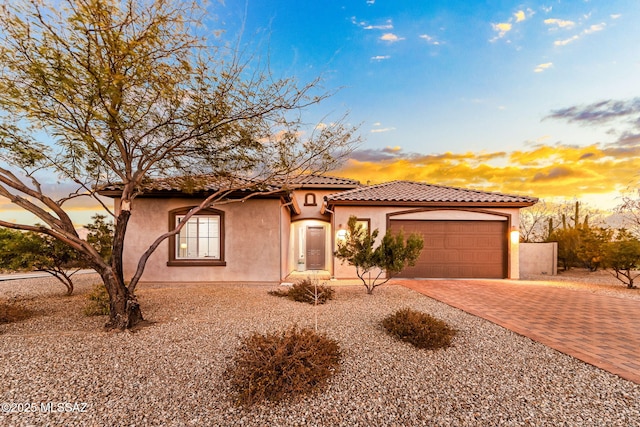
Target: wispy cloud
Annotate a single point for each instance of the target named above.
(542, 67)
(382, 130)
(559, 23)
(380, 57)
(616, 16)
(387, 25)
(565, 41)
(431, 40)
(377, 128)
(601, 112)
(391, 38)
(502, 29)
(595, 28)
(592, 29)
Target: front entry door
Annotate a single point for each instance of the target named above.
(315, 248)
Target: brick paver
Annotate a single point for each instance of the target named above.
(598, 329)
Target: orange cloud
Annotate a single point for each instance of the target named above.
(544, 171)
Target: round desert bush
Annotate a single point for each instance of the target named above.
(277, 366)
(11, 312)
(419, 329)
(98, 304)
(306, 290)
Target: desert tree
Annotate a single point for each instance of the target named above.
(622, 257)
(375, 266)
(127, 91)
(534, 223)
(32, 251)
(629, 210)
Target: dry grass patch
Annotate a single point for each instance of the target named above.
(11, 312)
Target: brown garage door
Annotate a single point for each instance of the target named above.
(458, 249)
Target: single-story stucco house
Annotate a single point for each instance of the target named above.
(467, 233)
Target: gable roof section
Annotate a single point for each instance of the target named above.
(409, 193)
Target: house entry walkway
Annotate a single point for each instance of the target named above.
(598, 329)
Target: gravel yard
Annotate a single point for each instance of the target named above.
(169, 372)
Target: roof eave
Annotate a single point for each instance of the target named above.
(163, 194)
(390, 203)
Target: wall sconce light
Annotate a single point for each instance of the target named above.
(341, 235)
(515, 235)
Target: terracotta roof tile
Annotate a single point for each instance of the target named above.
(418, 192)
(324, 181)
(210, 183)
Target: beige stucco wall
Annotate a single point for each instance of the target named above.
(253, 231)
(539, 258)
(378, 218)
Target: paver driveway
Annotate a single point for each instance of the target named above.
(599, 329)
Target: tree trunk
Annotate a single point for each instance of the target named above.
(124, 308)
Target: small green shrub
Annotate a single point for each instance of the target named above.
(277, 366)
(98, 301)
(10, 312)
(305, 291)
(419, 329)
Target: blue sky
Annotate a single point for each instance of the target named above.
(535, 98)
(501, 95)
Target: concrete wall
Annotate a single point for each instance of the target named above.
(253, 231)
(378, 217)
(539, 258)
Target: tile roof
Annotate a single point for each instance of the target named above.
(405, 192)
(194, 184)
(210, 183)
(324, 180)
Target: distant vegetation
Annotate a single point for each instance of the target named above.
(584, 238)
(31, 251)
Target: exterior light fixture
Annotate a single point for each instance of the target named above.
(515, 235)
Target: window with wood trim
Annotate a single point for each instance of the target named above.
(310, 199)
(201, 239)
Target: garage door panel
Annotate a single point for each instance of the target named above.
(458, 249)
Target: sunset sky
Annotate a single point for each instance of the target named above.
(541, 98)
(535, 98)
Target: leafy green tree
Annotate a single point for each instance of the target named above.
(568, 242)
(592, 245)
(100, 236)
(9, 241)
(622, 255)
(124, 91)
(390, 257)
(39, 252)
(30, 251)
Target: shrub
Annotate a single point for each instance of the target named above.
(306, 291)
(10, 312)
(276, 366)
(98, 301)
(419, 329)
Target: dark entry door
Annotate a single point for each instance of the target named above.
(315, 248)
